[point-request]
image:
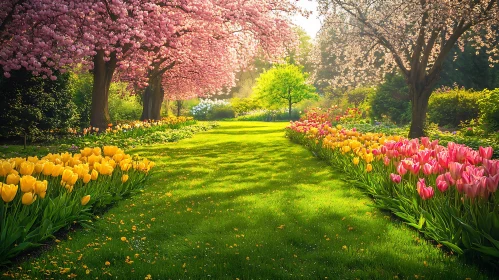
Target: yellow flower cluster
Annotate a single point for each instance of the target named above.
(31, 174)
(356, 144)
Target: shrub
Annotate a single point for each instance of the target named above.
(35, 107)
(391, 100)
(122, 105)
(221, 112)
(242, 106)
(205, 107)
(450, 107)
(80, 86)
(488, 104)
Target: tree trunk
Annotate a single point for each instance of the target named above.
(152, 99)
(289, 109)
(419, 106)
(103, 74)
(179, 106)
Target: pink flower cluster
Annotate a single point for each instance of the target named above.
(472, 173)
(318, 128)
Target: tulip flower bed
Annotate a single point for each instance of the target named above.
(136, 133)
(41, 196)
(449, 193)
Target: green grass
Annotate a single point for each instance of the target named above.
(241, 201)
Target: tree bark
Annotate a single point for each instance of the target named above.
(419, 105)
(103, 74)
(289, 110)
(152, 99)
(179, 104)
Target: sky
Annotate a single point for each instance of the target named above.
(311, 24)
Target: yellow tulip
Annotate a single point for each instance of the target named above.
(5, 168)
(369, 167)
(33, 159)
(57, 170)
(39, 167)
(9, 191)
(28, 198)
(110, 150)
(41, 188)
(27, 168)
(13, 179)
(86, 152)
(17, 161)
(28, 183)
(97, 151)
(355, 160)
(73, 179)
(67, 175)
(124, 178)
(85, 200)
(47, 168)
(86, 178)
(369, 157)
(95, 175)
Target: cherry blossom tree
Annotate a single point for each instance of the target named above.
(105, 35)
(368, 38)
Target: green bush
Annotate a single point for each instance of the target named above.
(221, 112)
(270, 116)
(453, 106)
(391, 100)
(488, 104)
(34, 107)
(242, 106)
(122, 105)
(80, 86)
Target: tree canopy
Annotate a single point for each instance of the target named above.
(283, 85)
(368, 39)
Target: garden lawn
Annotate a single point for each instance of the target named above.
(242, 201)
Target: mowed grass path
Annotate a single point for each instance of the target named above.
(243, 202)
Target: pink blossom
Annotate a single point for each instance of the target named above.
(395, 178)
(486, 152)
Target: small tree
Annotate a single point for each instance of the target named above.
(283, 85)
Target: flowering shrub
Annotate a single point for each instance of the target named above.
(136, 133)
(207, 106)
(41, 196)
(449, 193)
(333, 115)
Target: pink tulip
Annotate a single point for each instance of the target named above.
(415, 168)
(386, 161)
(384, 149)
(448, 179)
(401, 170)
(485, 152)
(443, 159)
(492, 183)
(442, 184)
(455, 170)
(425, 141)
(427, 169)
(420, 184)
(395, 178)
